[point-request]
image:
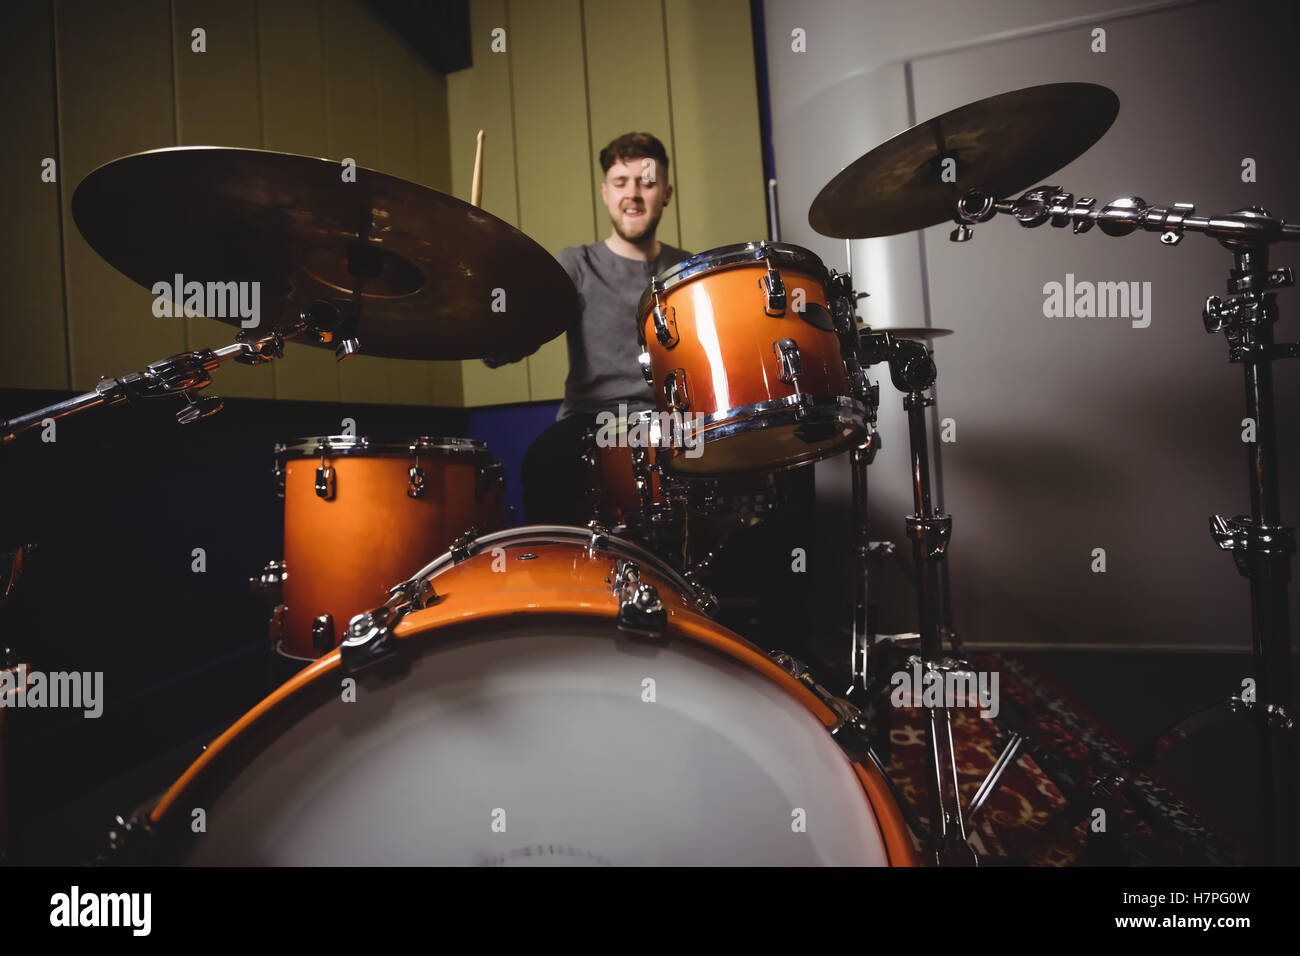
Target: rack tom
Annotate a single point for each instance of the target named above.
(744, 340)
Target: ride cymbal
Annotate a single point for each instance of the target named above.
(422, 274)
(1000, 145)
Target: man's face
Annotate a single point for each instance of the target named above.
(635, 193)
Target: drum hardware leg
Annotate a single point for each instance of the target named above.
(930, 533)
(860, 649)
(1261, 544)
(994, 779)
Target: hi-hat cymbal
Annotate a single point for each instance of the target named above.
(440, 279)
(1000, 145)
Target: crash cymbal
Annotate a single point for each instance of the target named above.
(440, 279)
(1001, 145)
(916, 332)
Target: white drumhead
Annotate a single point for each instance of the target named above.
(536, 744)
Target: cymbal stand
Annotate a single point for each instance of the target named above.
(912, 369)
(182, 374)
(1261, 544)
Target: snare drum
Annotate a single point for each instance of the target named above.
(744, 341)
(549, 696)
(360, 514)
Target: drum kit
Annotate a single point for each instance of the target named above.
(568, 686)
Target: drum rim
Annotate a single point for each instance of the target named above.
(743, 253)
(334, 446)
(772, 413)
(256, 729)
(563, 534)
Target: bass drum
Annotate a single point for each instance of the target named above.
(560, 700)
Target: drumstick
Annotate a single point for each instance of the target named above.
(476, 190)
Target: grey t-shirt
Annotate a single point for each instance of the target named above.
(603, 369)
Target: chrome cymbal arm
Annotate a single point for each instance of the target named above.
(181, 374)
(1119, 217)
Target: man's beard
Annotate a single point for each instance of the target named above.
(645, 238)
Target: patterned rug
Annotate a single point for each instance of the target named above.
(1146, 824)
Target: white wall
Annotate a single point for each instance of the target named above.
(1072, 434)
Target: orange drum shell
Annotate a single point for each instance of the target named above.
(618, 500)
(343, 554)
(727, 306)
(473, 593)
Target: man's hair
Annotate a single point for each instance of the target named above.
(633, 146)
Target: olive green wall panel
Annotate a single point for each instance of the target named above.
(218, 104)
(718, 164)
(293, 121)
(35, 347)
(552, 140)
(115, 98)
(480, 98)
(577, 73)
(321, 78)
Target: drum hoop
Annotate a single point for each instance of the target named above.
(563, 534)
(791, 406)
(335, 446)
(726, 257)
(297, 695)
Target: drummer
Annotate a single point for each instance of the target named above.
(610, 276)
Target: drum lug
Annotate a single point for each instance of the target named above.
(599, 536)
(463, 547)
(493, 473)
(322, 633)
(413, 595)
(705, 599)
(325, 482)
(277, 470)
(270, 581)
(790, 360)
(369, 639)
(275, 627)
(774, 290)
(646, 371)
(666, 325)
(641, 612)
(850, 729)
(675, 391)
(415, 487)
